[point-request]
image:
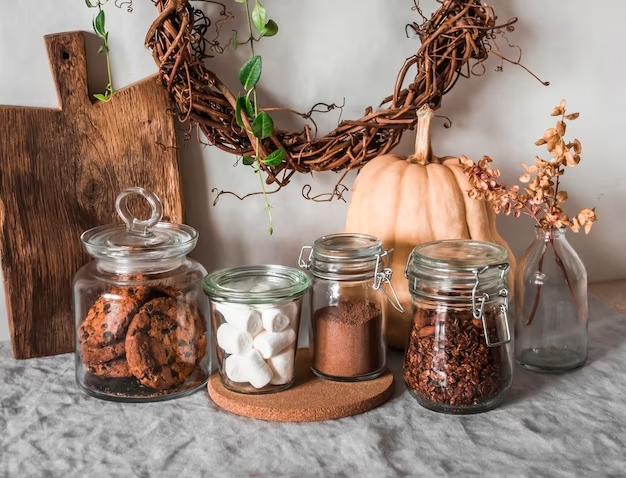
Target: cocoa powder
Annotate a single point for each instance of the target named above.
(347, 340)
(448, 362)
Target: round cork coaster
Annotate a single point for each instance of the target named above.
(310, 398)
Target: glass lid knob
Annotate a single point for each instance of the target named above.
(133, 224)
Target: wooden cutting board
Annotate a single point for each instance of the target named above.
(60, 172)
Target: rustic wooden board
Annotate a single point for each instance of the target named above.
(60, 172)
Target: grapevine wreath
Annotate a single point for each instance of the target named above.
(455, 42)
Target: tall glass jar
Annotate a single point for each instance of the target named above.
(551, 305)
(459, 357)
(347, 331)
(255, 314)
(141, 327)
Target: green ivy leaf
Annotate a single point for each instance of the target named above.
(102, 97)
(98, 24)
(243, 104)
(103, 49)
(89, 5)
(247, 105)
(250, 72)
(270, 29)
(275, 158)
(247, 160)
(238, 113)
(262, 126)
(259, 16)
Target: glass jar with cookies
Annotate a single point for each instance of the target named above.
(140, 312)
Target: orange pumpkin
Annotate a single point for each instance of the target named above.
(406, 201)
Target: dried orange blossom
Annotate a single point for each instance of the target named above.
(542, 199)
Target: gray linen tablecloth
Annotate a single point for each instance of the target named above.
(550, 425)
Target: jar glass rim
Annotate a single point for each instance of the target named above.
(345, 245)
(345, 256)
(259, 284)
(458, 254)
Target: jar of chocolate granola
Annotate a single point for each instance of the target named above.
(459, 355)
(141, 315)
(350, 276)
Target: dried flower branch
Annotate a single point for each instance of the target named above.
(542, 199)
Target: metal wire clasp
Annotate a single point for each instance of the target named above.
(301, 263)
(407, 265)
(382, 274)
(478, 312)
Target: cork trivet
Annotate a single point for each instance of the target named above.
(310, 399)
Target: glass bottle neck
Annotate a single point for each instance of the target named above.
(548, 234)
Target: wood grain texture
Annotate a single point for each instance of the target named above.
(60, 172)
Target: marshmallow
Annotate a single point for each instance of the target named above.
(258, 373)
(282, 366)
(290, 309)
(243, 318)
(233, 340)
(270, 343)
(235, 368)
(274, 320)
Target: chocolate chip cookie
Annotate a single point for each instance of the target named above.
(108, 318)
(167, 291)
(117, 368)
(163, 343)
(199, 323)
(98, 355)
(199, 330)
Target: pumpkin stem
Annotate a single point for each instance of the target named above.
(423, 152)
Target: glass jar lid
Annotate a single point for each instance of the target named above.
(139, 240)
(343, 256)
(263, 284)
(459, 255)
(458, 269)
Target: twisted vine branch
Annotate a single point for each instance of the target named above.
(456, 39)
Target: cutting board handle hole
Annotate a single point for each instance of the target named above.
(65, 55)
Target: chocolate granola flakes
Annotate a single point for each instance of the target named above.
(448, 361)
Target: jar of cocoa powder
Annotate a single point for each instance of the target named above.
(141, 316)
(459, 355)
(350, 275)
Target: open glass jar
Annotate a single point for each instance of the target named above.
(141, 327)
(347, 331)
(255, 314)
(459, 357)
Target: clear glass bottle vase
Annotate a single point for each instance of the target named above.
(551, 305)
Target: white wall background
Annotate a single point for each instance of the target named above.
(328, 50)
